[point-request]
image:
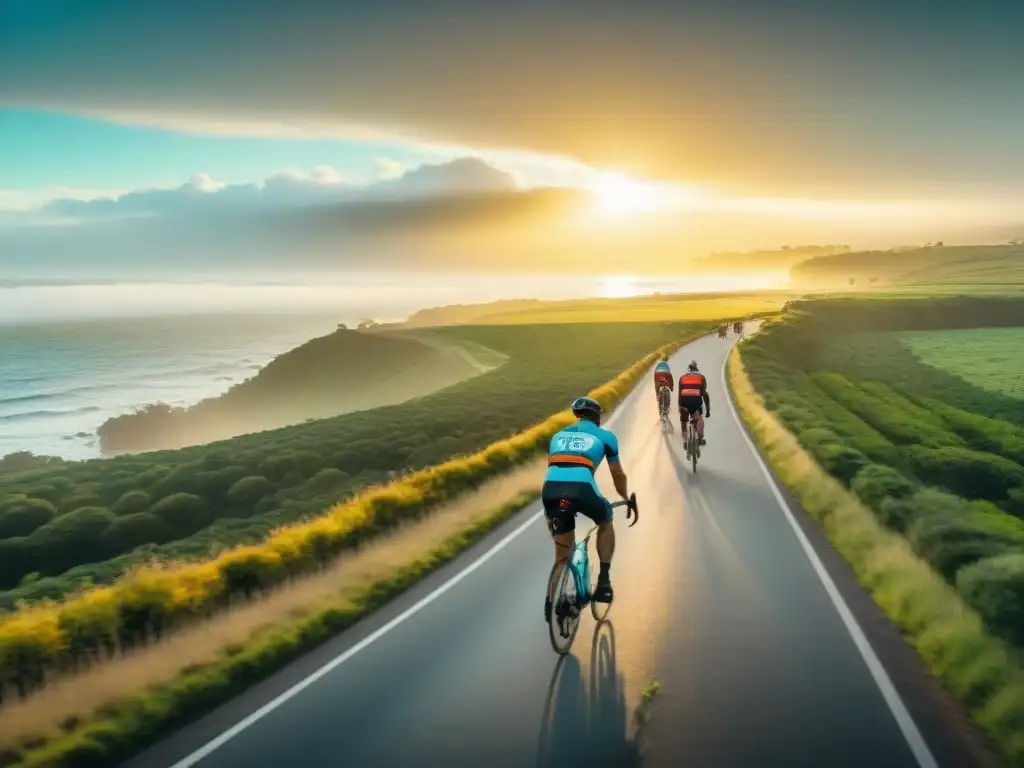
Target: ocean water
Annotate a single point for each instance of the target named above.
(73, 355)
(59, 381)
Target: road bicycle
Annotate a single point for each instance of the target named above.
(664, 405)
(691, 442)
(574, 591)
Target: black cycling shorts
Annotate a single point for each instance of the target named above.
(564, 500)
(692, 404)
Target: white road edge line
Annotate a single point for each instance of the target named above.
(906, 724)
(415, 608)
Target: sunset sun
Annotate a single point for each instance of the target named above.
(616, 195)
(619, 195)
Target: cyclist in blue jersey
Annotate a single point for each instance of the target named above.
(574, 455)
(662, 377)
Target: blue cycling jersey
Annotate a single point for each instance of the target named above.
(576, 452)
(662, 367)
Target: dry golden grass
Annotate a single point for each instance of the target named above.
(78, 696)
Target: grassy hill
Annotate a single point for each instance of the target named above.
(773, 260)
(1000, 269)
(639, 309)
(962, 266)
(327, 376)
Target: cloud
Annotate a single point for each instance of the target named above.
(204, 195)
(755, 96)
(388, 168)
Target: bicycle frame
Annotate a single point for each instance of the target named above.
(579, 564)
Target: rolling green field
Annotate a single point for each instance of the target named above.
(890, 356)
(1000, 271)
(990, 358)
(943, 269)
(69, 523)
(938, 459)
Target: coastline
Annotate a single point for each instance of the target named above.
(62, 379)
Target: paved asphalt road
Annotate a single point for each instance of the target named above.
(716, 597)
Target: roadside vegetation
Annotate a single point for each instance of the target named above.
(43, 644)
(984, 672)
(950, 480)
(947, 480)
(67, 524)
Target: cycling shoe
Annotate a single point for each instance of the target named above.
(603, 591)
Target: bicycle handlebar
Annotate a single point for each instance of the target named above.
(630, 505)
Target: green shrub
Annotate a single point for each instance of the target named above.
(131, 531)
(969, 473)
(249, 490)
(1015, 502)
(24, 516)
(184, 513)
(216, 458)
(876, 483)
(949, 544)
(326, 480)
(78, 500)
(132, 502)
(994, 587)
(889, 419)
(838, 459)
(70, 539)
(214, 485)
(842, 462)
(18, 558)
(980, 432)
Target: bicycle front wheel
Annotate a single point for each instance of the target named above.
(598, 610)
(565, 610)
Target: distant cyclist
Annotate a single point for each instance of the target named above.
(662, 377)
(574, 455)
(693, 398)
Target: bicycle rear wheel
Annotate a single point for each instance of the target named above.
(565, 610)
(694, 447)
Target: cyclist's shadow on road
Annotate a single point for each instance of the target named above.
(585, 723)
(676, 453)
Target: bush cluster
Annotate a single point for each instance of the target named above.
(950, 481)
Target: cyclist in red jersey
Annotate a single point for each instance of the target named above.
(693, 398)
